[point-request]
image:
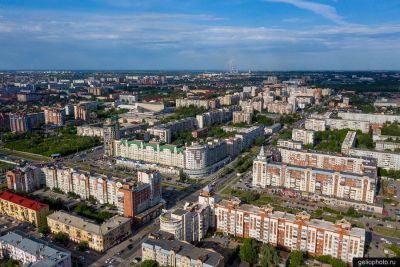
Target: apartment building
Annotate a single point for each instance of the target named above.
(177, 253)
(293, 232)
(24, 122)
(132, 198)
(165, 132)
(315, 124)
(290, 144)
(169, 155)
(25, 179)
(187, 224)
(384, 145)
(386, 160)
(54, 116)
(304, 136)
(191, 222)
(248, 135)
(280, 107)
(371, 118)
(82, 110)
(242, 117)
(327, 161)
(100, 237)
(205, 103)
(23, 209)
(215, 116)
(354, 125)
(229, 100)
(348, 186)
(32, 251)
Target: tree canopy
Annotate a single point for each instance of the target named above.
(248, 251)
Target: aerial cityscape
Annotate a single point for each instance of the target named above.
(199, 133)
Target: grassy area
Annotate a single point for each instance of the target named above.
(389, 232)
(331, 141)
(25, 155)
(5, 166)
(64, 143)
(167, 184)
(391, 129)
(85, 211)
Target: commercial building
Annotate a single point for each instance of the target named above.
(349, 186)
(242, 117)
(33, 252)
(25, 179)
(371, 118)
(24, 122)
(54, 116)
(293, 232)
(304, 136)
(100, 237)
(23, 209)
(132, 198)
(129, 99)
(327, 161)
(169, 155)
(177, 253)
(315, 124)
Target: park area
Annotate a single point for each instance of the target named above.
(65, 142)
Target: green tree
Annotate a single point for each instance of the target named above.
(248, 251)
(296, 258)
(149, 263)
(268, 256)
(83, 245)
(259, 141)
(330, 260)
(44, 229)
(61, 237)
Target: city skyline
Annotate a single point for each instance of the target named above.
(200, 35)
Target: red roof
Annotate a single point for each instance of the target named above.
(22, 201)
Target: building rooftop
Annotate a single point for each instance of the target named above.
(154, 145)
(182, 248)
(88, 225)
(47, 254)
(22, 201)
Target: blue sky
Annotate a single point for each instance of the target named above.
(201, 34)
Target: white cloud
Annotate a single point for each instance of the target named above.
(323, 10)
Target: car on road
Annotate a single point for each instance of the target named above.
(130, 246)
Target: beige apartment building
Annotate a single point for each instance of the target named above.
(100, 237)
(293, 232)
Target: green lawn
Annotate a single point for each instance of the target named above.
(64, 144)
(389, 232)
(24, 155)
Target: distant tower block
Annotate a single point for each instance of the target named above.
(111, 133)
(232, 67)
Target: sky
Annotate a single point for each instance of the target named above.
(200, 34)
